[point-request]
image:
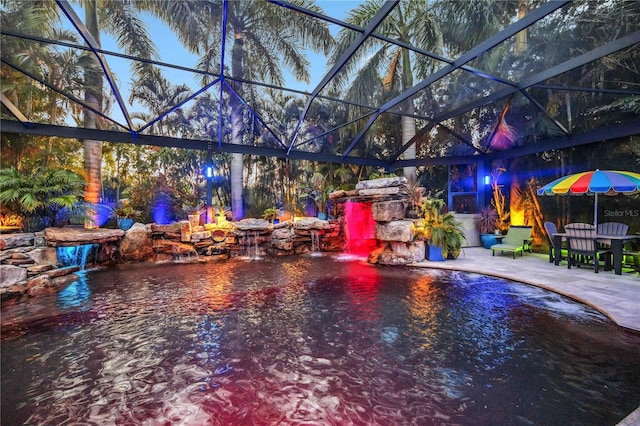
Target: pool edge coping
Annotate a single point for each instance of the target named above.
(529, 281)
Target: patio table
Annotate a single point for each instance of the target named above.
(617, 244)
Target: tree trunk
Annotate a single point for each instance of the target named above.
(93, 97)
(236, 166)
(409, 131)
(521, 37)
(236, 186)
(408, 123)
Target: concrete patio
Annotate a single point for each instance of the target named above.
(616, 296)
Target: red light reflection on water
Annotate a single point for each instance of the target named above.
(360, 228)
(363, 285)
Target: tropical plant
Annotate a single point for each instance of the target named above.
(128, 212)
(264, 43)
(40, 195)
(119, 19)
(441, 229)
(270, 214)
(318, 192)
(487, 220)
(498, 201)
(415, 192)
(193, 208)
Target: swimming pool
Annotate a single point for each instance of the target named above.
(311, 340)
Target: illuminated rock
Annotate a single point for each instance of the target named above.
(73, 236)
(136, 244)
(253, 225)
(379, 192)
(397, 230)
(9, 275)
(386, 211)
(381, 182)
(311, 223)
(389, 258)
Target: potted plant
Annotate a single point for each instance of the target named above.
(444, 235)
(270, 214)
(319, 194)
(125, 216)
(488, 226)
(193, 214)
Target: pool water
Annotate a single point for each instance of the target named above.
(314, 341)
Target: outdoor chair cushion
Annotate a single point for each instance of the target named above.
(583, 247)
(518, 239)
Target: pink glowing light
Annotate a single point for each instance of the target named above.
(359, 228)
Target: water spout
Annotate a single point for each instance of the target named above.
(256, 253)
(315, 243)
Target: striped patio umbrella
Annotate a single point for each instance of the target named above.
(609, 182)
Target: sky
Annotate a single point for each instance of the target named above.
(170, 51)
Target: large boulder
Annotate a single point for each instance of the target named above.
(390, 258)
(253, 225)
(386, 211)
(44, 255)
(173, 248)
(136, 244)
(414, 249)
(17, 240)
(9, 275)
(73, 236)
(307, 223)
(379, 192)
(381, 183)
(396, 230)
(283, 234)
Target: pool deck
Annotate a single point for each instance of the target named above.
(616, 296)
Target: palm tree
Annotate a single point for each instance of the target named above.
(386, 67)
(119, 19)
(264, 39)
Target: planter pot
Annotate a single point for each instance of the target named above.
(322, 216)
(125, 223)
(276, 221)
(194, 220)
(488, 240)
(434, 254)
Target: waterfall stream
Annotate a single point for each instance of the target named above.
(77, 255)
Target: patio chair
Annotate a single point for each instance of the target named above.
(551, 229)
(583, 248)
(518, 239)
(611, 228)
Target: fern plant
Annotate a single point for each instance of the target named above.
(39, 196)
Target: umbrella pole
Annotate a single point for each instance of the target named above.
(595, 212)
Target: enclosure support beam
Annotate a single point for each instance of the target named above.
(481, 48)
(15, 127)
(382, 13)
(95, 46)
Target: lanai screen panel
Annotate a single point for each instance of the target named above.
(566, 72)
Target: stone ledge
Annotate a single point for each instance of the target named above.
(73, 236)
